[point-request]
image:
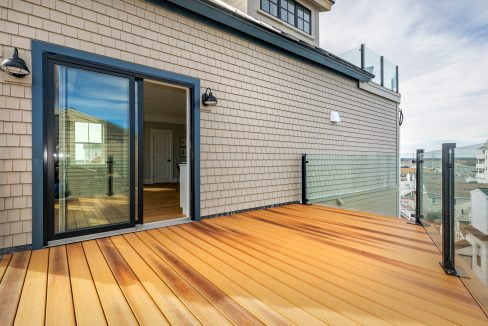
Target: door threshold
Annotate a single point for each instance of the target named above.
(138, 227)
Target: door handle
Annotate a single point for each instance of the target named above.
(169, 160)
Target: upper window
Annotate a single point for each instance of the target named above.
(290, 12)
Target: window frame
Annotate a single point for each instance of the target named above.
(297, 6)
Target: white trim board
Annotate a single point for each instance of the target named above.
(380, 91)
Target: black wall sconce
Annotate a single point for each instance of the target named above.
(208, 99)
(15, 66)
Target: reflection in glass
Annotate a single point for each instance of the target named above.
(91, 149)
(471, 217)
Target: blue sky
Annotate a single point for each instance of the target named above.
(100, 95)
(442, 50)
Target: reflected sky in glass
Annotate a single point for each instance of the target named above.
(99, 95)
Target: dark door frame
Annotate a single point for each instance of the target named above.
(55, 59)
(42, 52)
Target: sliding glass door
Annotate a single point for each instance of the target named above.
(91, 149)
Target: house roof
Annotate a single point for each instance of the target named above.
(483, 190)
(477, 233)
(229, 17)
(484, 146)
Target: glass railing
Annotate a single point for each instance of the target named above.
(431, 193)
(372, 64)
(385, 72)
(352, 56)
(366, 182)
(454, 211)
(471, 224)
(390, 75)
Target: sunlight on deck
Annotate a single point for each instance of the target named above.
(308, 265)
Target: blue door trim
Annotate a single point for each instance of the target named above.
(39, 51)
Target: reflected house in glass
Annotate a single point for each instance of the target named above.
(94, 168)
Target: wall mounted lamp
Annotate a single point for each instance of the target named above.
(15, 66)
(208, 99)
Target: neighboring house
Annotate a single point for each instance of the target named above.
(482, 163)
(118, 68)
(477, 233)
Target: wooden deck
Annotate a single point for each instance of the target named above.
(307, 265)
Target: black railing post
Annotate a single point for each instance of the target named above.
(397, 80)
(304, 179)
(382, 70)
(362, 56)
(448, 249)
(110, 164)
(419, 161)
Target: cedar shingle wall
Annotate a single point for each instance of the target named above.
(271, 107)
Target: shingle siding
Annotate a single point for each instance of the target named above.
(272, 107)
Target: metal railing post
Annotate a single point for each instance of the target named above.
(362, 56)
(448, 249)
(419, 161)
(304, 179)
(382, 70)
(397, 80)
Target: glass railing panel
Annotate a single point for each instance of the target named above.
(365, 182)
(372, 64)
(431, 201)
(352, 56)
(471, 224)
(389, 75)
(407, 187)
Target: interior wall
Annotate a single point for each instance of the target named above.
(179, 131)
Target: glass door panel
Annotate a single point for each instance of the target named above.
(91, 149)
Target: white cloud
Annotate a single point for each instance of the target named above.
(442, 50)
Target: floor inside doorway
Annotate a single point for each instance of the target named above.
(161, 202)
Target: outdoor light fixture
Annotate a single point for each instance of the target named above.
(208, 99)
(15, 66)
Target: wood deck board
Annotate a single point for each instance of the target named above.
(201, 307)
(59, 301)
(11, 286)
(144, 308)
(32, 305)
(166, 300)
(288, 265)
(88, 310)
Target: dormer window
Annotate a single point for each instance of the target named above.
(290, 12)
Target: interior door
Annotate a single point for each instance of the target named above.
(162, 158)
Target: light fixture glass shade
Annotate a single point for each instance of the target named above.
(208, 99)
(15, 66)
